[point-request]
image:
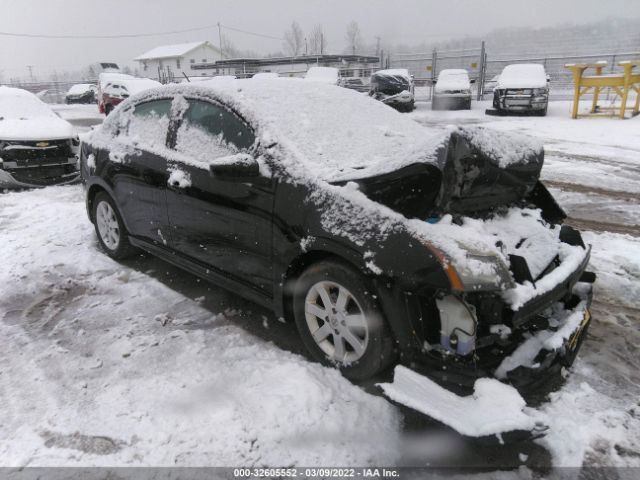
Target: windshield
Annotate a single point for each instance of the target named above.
(389, 83)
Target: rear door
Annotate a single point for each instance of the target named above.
(140, 173)
(222, 223)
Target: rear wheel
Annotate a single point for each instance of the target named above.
(107, 109)
(340, 322)
(112, 234)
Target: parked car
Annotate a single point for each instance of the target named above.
(490, 84)
(354, 83)
(452, 90)
(522, 87)
(37, 147)
(322, 75)
(393, 87)
(263, 75)
(437, 249)
(116, 90)
(81, 93)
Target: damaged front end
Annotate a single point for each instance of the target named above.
(520, 313)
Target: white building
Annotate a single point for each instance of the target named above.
(169, 61)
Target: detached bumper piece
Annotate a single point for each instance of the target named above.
(493, 408)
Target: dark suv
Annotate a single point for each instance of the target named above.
(385, 241)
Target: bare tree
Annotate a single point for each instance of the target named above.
(354, 38)
(229, 50)
(294, 40)
(317, 41)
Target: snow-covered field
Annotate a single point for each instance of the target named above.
(107, 363)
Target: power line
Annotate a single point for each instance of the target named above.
(134, 35)
(125, 35)
(251, 33)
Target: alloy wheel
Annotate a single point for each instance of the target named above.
(108, 225)
(336, 321)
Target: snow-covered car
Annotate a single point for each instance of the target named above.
(354, 83)
(322, 75)
(37, 147)
(452, 90)
(81, 93)
(263, 75)
(383, 240)
(522, 87)
(490, 84)
(393, 87)
(116, 90)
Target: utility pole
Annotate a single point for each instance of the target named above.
(306, 47)
(30, 67)
(321, 43)
(377, 46)
(220, 41)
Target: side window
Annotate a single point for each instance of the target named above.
(149, 124)
(208, 131)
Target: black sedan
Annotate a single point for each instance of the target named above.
(384, 241)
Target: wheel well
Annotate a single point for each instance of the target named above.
(91, 195)
(295, 269)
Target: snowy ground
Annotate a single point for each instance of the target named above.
(106, 363)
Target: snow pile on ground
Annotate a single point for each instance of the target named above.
(103, 365)
(493, 408)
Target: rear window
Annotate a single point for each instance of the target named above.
(149, 124)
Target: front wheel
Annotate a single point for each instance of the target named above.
(112, 234)
(340, 322)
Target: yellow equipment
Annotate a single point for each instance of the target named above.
(621, 83)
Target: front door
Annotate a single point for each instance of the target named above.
(223, 223)
(140, 171)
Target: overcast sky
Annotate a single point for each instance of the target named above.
(396, 21)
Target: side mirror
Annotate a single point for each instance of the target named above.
(240, 165)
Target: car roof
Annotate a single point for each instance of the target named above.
(336, 133)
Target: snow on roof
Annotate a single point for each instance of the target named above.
(452, 79)
(396, 72)
(322, 74)
(523, 75)
(169, 51)
(23, 116)
(136, 85)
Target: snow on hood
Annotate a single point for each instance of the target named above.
(452, 80)
(523, 75)
(23, 116)
(80, 88)
(395, 72)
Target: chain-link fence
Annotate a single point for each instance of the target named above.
(483, 68)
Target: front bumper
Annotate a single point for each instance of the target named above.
(522, 103)
(39, 176)
(451, 102)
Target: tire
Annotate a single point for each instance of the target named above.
(360, 350)
(112, 234)
(107, 109)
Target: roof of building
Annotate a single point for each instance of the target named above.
(171, 51)
(307, 59)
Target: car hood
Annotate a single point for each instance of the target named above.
(36, 128)
(476, 171)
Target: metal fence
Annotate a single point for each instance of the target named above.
(483, 68)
